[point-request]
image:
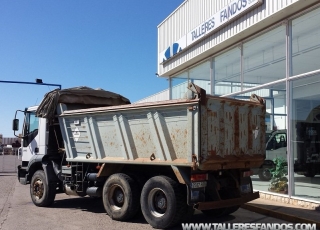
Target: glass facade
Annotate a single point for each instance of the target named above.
(305, 136)
(282, 65)
(227, 70)
(264, 58)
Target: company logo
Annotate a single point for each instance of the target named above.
(172, 50)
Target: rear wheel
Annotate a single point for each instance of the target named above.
(163, 202)
(42, 194)
(120, 197)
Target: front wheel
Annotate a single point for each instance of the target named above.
(42, 194)
(163, 202)
(265, 174)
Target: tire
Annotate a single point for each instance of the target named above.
(140, 180)
(230, 194)
(163, 202)
(310, 173)
(224, 194)
(120, 197)
(265, 174)
(41, 193)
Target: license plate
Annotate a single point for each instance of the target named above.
(195, 195)
(246, 188)
(200, 184)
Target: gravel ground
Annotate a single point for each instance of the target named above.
(69, 212)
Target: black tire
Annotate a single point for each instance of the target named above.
(224, 194)
(265, 174)
(120, 197)
(310, 173)
(163, 202)
(140, 180)
(41, 193)
(231, 194)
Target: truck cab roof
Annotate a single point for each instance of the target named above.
(32, 108)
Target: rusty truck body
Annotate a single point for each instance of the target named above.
(163, 158)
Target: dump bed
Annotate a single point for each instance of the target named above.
(207, 132)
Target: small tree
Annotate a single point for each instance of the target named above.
(279, 181)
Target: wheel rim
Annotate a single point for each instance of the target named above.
(116, 197)
(266, 173)
(157, 202)
(38, 189)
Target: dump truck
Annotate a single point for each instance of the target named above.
(163, 159)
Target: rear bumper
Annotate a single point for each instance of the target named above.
(227, 203)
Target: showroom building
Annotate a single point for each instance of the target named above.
(233, 48)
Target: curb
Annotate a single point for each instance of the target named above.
(279, 215)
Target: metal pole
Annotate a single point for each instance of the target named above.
(30, 83)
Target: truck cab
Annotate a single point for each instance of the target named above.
(276, 144)
(34, 141)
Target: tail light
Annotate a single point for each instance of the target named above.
(199, 177)
(247, 173)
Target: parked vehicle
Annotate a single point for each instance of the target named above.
(276, 146)
(306, 151)
(164, 158)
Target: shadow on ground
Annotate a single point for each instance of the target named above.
(95, 205)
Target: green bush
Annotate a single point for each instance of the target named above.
(279, 181)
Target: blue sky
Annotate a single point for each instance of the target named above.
(95, 43)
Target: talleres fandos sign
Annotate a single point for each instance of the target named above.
(221, 18)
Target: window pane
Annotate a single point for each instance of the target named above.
(179, 85)
(227, 72)
(306, 43)
(264, 58)
(200, 75)
(305, 137)
(34, 122)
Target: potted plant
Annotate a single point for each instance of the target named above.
(279, 181)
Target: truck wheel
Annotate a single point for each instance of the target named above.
(224, 194)
(232, 209)
(163, 202)
(265, 174)
(120, 197)
(42, 194)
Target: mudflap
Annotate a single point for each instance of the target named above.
(22, 175)
(50, 174)
(227, 203)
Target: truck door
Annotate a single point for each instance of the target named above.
(31, 141)
(277, 146)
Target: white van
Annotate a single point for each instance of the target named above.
(276, 146)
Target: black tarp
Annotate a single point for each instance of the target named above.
(78, 95)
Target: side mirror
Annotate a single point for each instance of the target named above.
(15, 125)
